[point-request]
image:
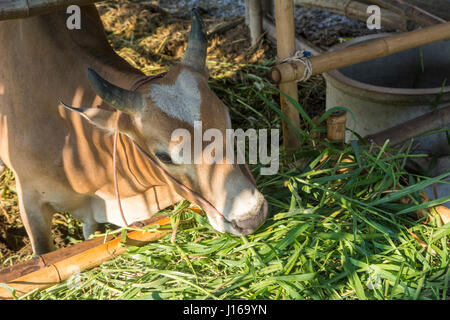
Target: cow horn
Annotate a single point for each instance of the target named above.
(121, 99)
(195, 55)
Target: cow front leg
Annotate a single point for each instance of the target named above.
(37, 219)
(2, 167)
(89, 228)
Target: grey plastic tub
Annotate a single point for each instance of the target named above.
(388, 91)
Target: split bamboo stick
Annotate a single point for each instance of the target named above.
(16, 9)
(417, 14)
(223, 27)
(61, 270)
(284, 21)
(356, 10)
(430, 121)
(293, 70)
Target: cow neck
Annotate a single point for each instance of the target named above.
(136, 85)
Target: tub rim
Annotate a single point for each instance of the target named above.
(346, 83)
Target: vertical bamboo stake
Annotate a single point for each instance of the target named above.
(255, 15)
(284, 20)
(336, 126)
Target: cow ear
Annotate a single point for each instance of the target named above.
(101, 118)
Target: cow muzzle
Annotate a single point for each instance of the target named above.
(252, 222)
(240, 223)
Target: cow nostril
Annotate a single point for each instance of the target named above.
(251, 224)
(234, 224)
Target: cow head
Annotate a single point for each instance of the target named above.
(179, 100)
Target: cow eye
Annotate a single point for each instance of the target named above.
(164, 157)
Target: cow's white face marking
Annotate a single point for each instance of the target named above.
(181, 100)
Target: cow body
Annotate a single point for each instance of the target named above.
(60, 160)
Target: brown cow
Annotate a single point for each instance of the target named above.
(62, 157)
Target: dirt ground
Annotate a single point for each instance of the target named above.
(14, 243)
(152, 38)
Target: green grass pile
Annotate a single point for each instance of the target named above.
(342, 225)
(345, 221)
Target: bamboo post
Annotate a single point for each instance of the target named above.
(60, 270)
(284, 21)
(15, 9)
(293, 70)
(255, 20)
(336, 126)
(356, 10)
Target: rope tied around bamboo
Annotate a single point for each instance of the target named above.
(300, 56)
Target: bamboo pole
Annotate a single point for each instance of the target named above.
(18, 270)
(293, 71)
(255, 20)
(16, 9)
(430, 121)
(9, 273)
(356, 10)
(60, 270)
(284, 21)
